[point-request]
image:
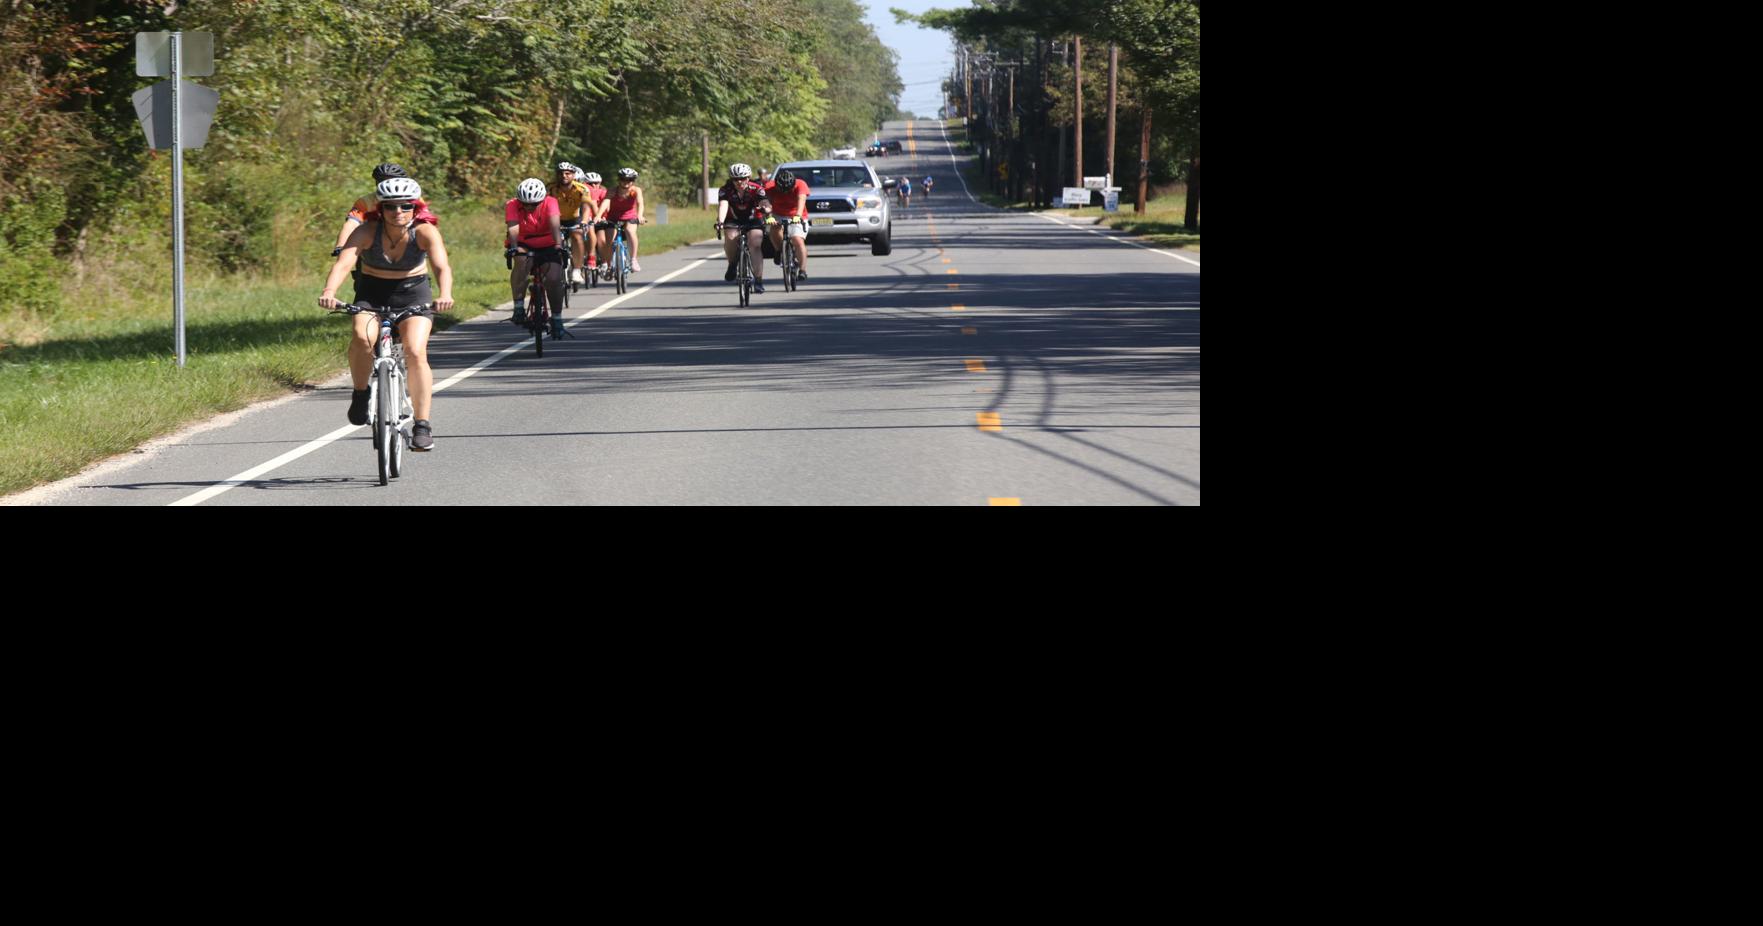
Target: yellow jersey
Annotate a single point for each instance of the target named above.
(570, 199)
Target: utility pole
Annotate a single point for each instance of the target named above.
(1113, 79)
(704, 192)
(1078, 44)
(1144, 161)
(966, 85)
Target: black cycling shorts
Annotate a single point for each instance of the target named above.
(394, 294)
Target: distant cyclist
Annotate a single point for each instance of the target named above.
(624, 205)
(743, 201)
(598, 197)
(789, 202)
(572, 204)
(534, 225)
(928, 182)
(905, 191)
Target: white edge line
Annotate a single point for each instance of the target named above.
(1107, 237)
(298, 452)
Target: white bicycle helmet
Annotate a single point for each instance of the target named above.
(565, 165)
(397, 189)
(740, 172)
(532, 191)
(627, 174)
(592, 178)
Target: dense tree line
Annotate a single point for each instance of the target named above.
(470, 95)
(1026, 46)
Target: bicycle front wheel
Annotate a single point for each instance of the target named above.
(621, 266)
(385, 423)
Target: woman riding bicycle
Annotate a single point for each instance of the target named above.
(534, 225)
(598, 197)
(743, 200)
(395, 253)
(625, 204)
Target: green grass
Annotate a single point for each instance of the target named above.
(101, 377)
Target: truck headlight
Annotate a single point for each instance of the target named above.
(867, 202)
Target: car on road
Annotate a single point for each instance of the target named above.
(847, 153)
(847, 202)
(876, 150)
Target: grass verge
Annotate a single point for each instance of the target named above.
(102, 378)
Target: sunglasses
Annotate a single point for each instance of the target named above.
(399, 207)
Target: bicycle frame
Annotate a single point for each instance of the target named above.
(391, 418)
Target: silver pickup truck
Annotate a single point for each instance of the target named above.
(847, 202)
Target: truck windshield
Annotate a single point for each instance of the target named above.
(819, 177)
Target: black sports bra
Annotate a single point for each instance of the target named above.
(376, 258)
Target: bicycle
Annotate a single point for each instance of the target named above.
(538, 308)
(618, 268)
(569, 255)
(390, 416)
(788, 257)
(744, 267)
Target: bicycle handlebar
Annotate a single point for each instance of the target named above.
(386, 312)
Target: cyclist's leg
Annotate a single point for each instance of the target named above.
(517, 282)
(361, 345)
(731, 236)
(552, 276)
(754, 238)
(630, 237)
(800, 243)
(415, 332)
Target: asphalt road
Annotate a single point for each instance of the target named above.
(992, 358)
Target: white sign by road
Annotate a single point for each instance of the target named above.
(1095, 183)
(153, 54)
(1077, 196)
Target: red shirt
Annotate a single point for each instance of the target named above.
(535, 223)
(783, 201)
(745, 198)
(623, 209)
(596, 196)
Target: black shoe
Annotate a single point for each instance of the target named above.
(519, 319)
(358, 406)
(422, 436)
(801, 274)
(729, 277)
(758, 287)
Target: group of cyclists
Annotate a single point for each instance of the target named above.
(905, 189)
(391, 240)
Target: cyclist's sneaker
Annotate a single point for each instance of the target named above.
(758, 286)
(519, 318)
(729, 277)
(358, 406)
(575, 276)
(423, 436)
(801, 274)
(636, 266)
(556, 328)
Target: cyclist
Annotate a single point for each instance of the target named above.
(927, 185)
(597, 204)
(742, 199)
(789, 201)
(396, 253)
(572, 204)
(905, 191)
(365, 205)
(765, 181)
(624, 204)
(534, 223)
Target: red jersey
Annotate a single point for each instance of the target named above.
(784, 199)
(745, 198)
(623, 209)
(535, 223)
(596, 196)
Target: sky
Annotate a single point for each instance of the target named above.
(926, 56)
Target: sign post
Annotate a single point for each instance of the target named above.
(162, 54)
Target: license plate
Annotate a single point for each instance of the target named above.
(823, 221)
